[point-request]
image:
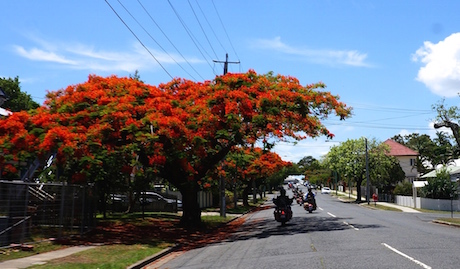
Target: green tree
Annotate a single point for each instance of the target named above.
(17, 100)
(306, 162)
(440, 187)
(313, 170)
(444, 152)
(349, 160)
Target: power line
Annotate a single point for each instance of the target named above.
(166, 36)
(380, 126)
(225, 30)
(145, 30)
(394, 118)
(390, 109)
(204, 33)
(210, 26)
(138, 38)
(190, 35)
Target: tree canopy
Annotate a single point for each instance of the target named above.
(252, 167)
(441, 186)
(349, 160)
(17, 100)
(180, 130)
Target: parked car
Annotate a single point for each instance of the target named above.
(325, 190)
(147, 198)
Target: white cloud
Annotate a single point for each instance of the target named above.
(41, 55)
(322, 56)
(83, 57)
(441, 70)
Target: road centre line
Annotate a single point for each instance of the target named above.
(332, 215)
(346, 223)
(320, 208)
(407, 256)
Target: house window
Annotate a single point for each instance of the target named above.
(412, 162)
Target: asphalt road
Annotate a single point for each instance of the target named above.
(336, 235)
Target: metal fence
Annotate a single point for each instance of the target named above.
(31, 211)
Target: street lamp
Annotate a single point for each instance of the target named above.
(3, 96)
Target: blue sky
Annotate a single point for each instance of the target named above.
(389, 60)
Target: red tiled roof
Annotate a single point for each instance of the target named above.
(397, 149)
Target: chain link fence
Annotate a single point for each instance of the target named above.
(31, 211)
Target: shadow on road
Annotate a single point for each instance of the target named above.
(263, 228)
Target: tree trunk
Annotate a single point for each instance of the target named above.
(191, 211)
(246, 195)
(358, 190)
(254, 192)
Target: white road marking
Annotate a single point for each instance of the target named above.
(346, 223)
(407, 256)
(332, 215)
(320, 208)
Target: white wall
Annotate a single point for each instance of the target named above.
(427, 203)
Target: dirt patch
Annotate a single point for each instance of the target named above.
(154, 231)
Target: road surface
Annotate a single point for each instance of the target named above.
(336, 235)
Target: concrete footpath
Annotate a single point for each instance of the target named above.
(402, 208)
(42, 258)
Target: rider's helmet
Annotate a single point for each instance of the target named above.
(282, 192)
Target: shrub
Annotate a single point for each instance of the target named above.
(403, 188)
(440, 187)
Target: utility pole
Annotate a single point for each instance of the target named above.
(367, 175)
(226, 63)
(222, 179)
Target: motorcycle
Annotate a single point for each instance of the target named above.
(283, 214)
(299, 200)
(309, 207)
(283, 211)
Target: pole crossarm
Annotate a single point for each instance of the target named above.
(226, 62)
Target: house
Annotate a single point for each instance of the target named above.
(453, 170)
(3, 98)
(4, 112)
(406, 157)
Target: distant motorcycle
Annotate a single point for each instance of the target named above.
(309, 207)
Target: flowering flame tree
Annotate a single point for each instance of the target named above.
(115, 127)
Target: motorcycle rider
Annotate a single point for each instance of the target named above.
(310, 198)
(282, 200)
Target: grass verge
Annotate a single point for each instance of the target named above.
(109, 256)
(451, 220)
(381, 207)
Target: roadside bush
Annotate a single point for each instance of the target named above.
(403, 188)
(440, 187)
